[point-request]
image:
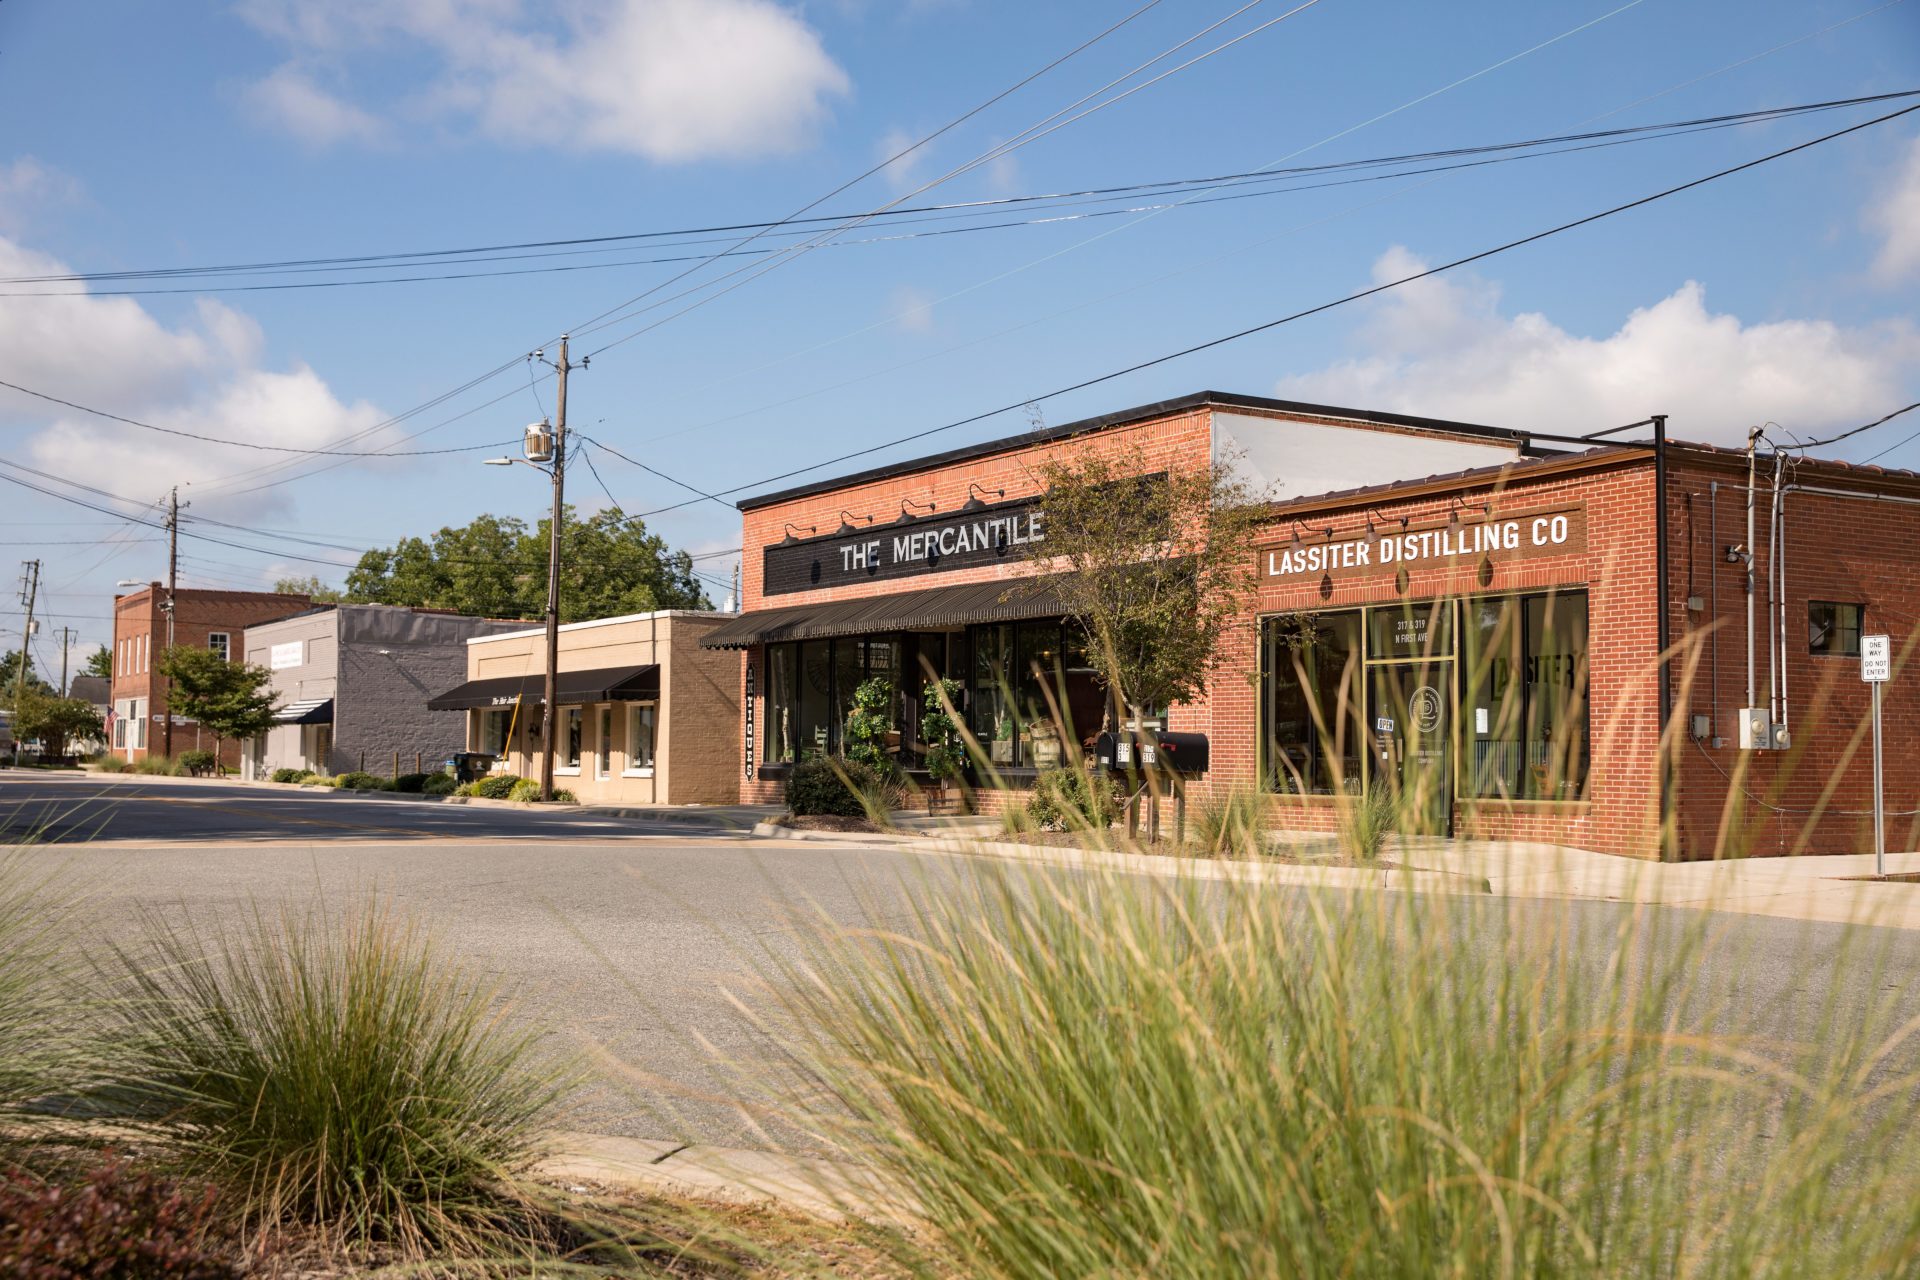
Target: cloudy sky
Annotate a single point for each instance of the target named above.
(142, 139)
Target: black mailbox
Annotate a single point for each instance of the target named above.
(471, 766)
(1183, 752)
(1171, 752)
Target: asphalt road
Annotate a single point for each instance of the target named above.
(65, 808)
(641, 949)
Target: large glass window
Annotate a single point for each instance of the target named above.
(1833, 629)
(603, 742)
(494, 725)
(640, 737)
(814, 725)
(782, 704)
(994, 723)
(571, 720)
(1313, 706)
(1417, 629)
(1524, 696)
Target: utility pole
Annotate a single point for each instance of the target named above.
(66, 638)
(29, 596)
(173, 570)
(550, 718)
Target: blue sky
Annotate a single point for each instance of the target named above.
(141, 136)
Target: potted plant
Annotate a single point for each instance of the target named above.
(946, 755)
(1000, 750)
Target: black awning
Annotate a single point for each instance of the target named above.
(308, 711)
(1002, 600)
(603, 684)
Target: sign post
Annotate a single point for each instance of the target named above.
(1876, 667)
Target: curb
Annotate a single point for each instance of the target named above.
(1249, 869)
(772, 831)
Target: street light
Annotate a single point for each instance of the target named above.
(549, 446)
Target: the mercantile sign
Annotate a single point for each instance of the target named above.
(904, 549)
(1476, 537)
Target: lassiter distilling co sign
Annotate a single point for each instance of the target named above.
(1476, 538)
(900, 550)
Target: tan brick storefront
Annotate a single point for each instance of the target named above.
(1549, 552)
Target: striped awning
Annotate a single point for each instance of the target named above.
(307, 711)
(571, 688)
(1002, 600)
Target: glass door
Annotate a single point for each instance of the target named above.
(1409, 709)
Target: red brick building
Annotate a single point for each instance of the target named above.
(1468, 614)
(203, 619)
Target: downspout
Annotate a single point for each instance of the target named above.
(1663, 631)
(1773, 562)
(1713, 599)
(1780, 517)
(1753, 440)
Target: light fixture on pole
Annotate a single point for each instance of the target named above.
(546, 452)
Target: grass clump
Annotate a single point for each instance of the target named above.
(1096, 1075)
(158, 767)
(334, 1076)
(1231, 821)
(1367, 821)
(39, 1055)
(111, 764)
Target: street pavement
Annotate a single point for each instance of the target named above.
(64, 808)
(644, 946)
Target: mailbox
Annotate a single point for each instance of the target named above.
(1173, 752)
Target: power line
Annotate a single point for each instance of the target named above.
(1847, 435)
(1456, 263)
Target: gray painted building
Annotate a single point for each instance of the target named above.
(353, 682)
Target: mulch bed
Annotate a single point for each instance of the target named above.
(833, 822)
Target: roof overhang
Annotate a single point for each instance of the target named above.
(933, 608)
(602, 684)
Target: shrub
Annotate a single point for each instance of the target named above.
(335, 1074)
(117, 1222)
(198, 763)
(439, 784)
(840, 788)
(524, 790)
(411, 782)
(495, 786)
(157, 766)
(1366, 820)
(946, 751)
(361, 780)
(1072, 800)
(319, 780)
(869, 724)
(1073, 1074)
(292, 775)
(37, 1054)
(1230, 820)
(111, 764)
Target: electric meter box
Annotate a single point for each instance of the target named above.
(1755, 729)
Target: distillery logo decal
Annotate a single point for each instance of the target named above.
(935, 544)
(1476, 538)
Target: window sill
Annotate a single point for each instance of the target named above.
(567, 773)
(1535, 805)
(636, 773)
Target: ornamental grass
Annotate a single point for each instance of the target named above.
(41, 1051)
(335, 1077)
(1106, 1075)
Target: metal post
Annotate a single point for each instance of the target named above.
(549, 719)
(1663, 639)
(1879, 796)
(173, 569)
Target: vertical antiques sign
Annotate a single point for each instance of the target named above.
(747, 753)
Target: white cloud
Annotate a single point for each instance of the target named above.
(27, 186)
(1897, 218)
(1441, 347)
(672, 80)
(912, 309)
(902, 174)
(290, 100)
(202, 374)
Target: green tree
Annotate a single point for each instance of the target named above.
(10, 675)
(54, 720)
(311, 587)
(497, 566)
(231, 699)
(100, 663)
(1156, 569)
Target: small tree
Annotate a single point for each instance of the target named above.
(100, 663)
(869, 724)
(946, 752)
(311, 587)
(54, 720)
(1155, 568)
(230, 698)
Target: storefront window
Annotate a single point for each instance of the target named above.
(813, 728)
(603, 743)
(1524, 696)
(1417, 629)
(782, 703)
(570, 733)
(993, 719)
(640, 737)
(492, 737)
(1313, 705)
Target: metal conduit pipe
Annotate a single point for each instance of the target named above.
(1753, 440)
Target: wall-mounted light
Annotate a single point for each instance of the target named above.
(789, 540)
(974, 501)
(1325, 532)
(847, 528)
(1453, 515)
(907, 516)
